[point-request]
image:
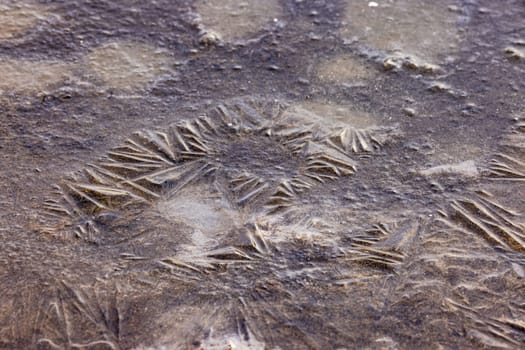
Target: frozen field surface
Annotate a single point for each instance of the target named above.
(248, 174)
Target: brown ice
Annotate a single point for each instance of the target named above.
(344, 69)
(233, 19)
(16, 18)
(24, 76)
(422, 29)
(126, 65)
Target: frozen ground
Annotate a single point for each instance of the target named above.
(278, 174)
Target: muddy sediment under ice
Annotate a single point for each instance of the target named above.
(262, 175)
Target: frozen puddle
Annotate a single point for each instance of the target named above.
(232, 20)
(414, 28)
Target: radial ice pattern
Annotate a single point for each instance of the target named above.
(191, 204)
(489, 212)
(257, 156)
